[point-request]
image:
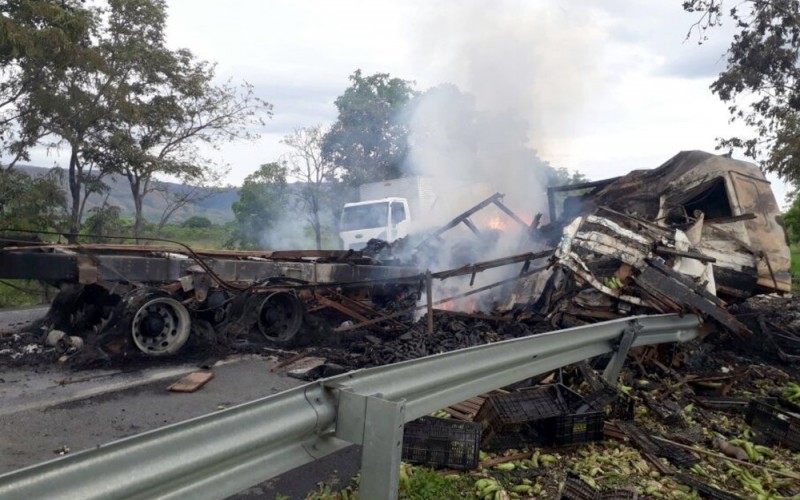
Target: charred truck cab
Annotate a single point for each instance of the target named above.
(717, 214)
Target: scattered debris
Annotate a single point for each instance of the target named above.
(191, 382)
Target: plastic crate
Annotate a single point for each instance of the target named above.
(704, 489)
(510, 412)
(576, 488)
(442, 442)
(525, 438)
(723, 403)
(618, 494)
(572, 428)
(677, 456)
(615, 404)
(773, 425)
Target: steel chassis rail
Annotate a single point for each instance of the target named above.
(219, 454)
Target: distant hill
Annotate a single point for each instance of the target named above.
(217, 208)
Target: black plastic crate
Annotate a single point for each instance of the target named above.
(773, 425)
(677, 456)
(442, 442)
(509, 412)
(527, 437)
(618, 494)
(615, 404)
(704, 489)
(576, 488)
(572, 428)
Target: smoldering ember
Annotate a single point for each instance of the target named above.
(701, 234)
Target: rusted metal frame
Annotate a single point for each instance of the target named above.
(462, 217)
(365, 308)
(652, 279)
(764, 256)
(687, 282)
(472, 227)
(489, 264)
(499, 204)
(270, 254)
(649, 224)
(691, 255)
(341, 308)
(728, 220)
(441, 301)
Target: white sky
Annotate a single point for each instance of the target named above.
(606, 86)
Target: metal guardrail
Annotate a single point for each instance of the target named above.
(217, 455)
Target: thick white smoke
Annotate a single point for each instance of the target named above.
(520, 73)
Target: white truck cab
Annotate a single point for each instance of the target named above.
(386, 219)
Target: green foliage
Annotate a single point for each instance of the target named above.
(260, 205)
(316, 175)
(427, 484)
(214, 236)
(561, 176)
(121, 100)
(367, 140)
(39, 41)
(16, 293)
(197, 221)
(791, 220)
(102, 221)
(32, 203)
(761, 83)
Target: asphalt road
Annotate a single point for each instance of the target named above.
(45, 412)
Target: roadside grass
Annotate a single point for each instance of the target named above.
(795, 261)
(17, 293)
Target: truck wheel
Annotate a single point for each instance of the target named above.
(160, 326)
(280, 316)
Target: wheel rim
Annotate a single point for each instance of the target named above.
(160, 327)
(280, 316)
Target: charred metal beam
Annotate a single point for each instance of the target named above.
(70, 267)
(499, 204)
(659, 284)
(489, 264)
(691, 255)
(462, 217)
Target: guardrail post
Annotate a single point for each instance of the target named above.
(377, 425)
(611, 373)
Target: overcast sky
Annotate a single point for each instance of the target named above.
(605, 86)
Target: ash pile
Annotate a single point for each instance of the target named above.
(700, 234)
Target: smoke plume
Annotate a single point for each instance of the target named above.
(519, 73)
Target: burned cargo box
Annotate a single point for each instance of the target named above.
(694, 234)
(725, 208)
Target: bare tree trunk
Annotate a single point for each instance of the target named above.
(75, 192)
(135, 185)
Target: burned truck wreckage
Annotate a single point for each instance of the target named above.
(697, 234)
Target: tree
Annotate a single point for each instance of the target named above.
(164, 134)
(197, 222)
(367, 140)
(761, 83)
(562, 176)
(305, 163)
(259, 207)
(39, 41)
(32, 202)
(103, 221)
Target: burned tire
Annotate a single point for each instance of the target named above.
(280, 316)
(160, 326)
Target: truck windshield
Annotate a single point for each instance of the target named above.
(365, 216)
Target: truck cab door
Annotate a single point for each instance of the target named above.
(399, 221)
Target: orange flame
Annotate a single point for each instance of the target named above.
(497, 223)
